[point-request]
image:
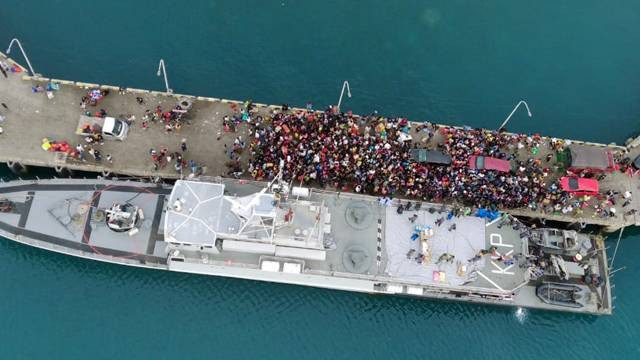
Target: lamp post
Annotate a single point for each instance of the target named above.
(14, 40)
(513, 111)
(345, 84)
(164, 71)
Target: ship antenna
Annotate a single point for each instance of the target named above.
(615, 251)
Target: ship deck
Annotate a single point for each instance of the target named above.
(470, 236)
(65, 216)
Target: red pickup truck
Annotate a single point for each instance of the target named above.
(488, 163)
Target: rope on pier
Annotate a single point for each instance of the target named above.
(615, 251)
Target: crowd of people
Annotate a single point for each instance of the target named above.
(172, 119)
(372, 155)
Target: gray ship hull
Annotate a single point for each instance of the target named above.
(366, 255)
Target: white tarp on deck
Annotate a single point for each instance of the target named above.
(464, 243)
(197, 211)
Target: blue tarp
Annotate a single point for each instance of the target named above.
(485, 213)
(52, 87)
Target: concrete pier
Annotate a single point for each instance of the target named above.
(31, 117)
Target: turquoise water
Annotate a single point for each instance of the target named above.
(457, 62)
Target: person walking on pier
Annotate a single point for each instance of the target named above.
(183, 145)
(193, 166)
(80, 151)
(3, 72)
(97, 155)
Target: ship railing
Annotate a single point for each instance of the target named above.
(209, 261)
(350, 195)
(395, 281)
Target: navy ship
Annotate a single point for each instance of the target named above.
(281, 233)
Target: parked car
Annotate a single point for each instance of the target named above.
(589, 158)
(110, 128)
(430, 156)
(579, 186)
(489, 163)
(636, 162)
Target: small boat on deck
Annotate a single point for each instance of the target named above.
(568, 295)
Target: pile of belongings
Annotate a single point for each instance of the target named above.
(48, 145)
(422, 232)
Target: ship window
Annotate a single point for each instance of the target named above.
(177, 259)
(573, 183)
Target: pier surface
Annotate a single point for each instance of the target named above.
(31, 117)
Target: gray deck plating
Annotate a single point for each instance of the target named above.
(78, 246)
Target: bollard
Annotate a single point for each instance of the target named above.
(61, 171)
(17, 168)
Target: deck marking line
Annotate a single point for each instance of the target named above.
(24, 214)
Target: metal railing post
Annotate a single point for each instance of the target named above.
(522, 102)
(345, 84)
(164, 71)
(24, 54)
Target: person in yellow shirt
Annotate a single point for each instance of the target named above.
(46, 145)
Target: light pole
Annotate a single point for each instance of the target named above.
(14, 40)
(164, 71)
(513, 111)
(345, 84)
